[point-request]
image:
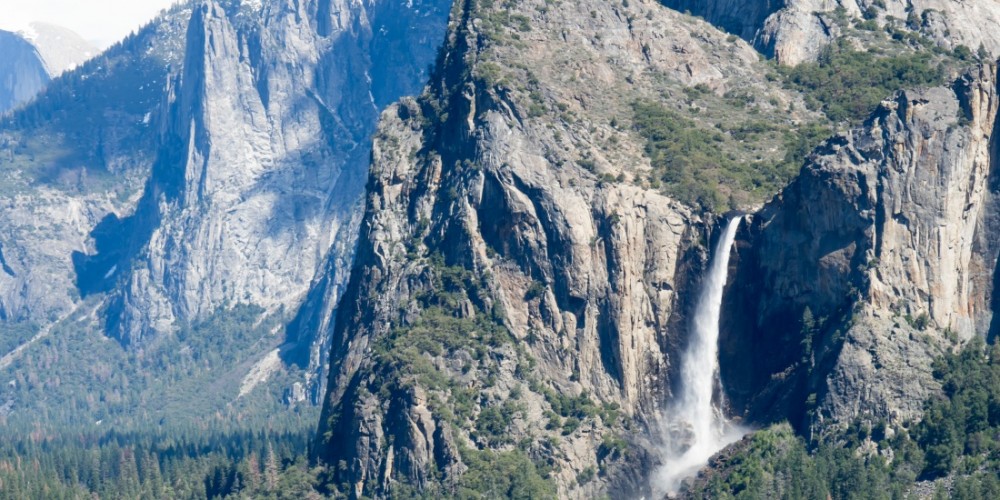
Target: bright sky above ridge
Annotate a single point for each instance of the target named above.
(102, 22)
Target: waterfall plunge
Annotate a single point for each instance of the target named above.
(696, 427)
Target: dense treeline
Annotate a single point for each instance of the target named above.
(189, 463)
(959, 437)
(161, 422)
(64, 380)
(961, 430)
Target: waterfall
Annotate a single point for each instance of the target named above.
(696, 426)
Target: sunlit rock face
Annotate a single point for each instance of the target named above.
(262, 159)
(888, 239)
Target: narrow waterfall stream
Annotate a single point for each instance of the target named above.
(696, 427)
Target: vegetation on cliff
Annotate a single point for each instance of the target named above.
(692, 161)
(452, 327)
(954, 450)
(847, 84)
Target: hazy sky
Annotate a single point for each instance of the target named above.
(100, 21)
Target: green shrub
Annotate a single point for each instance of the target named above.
(502, 475)
(691, 163)
(493, 424)
(536, 290)
(570, 426)
(848, 84)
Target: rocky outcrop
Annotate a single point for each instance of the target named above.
(888, 238)
(743, 19)
(947, 23)
(508, 196)
(793, 31)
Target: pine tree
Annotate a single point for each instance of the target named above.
(251, 472)
(271, 470)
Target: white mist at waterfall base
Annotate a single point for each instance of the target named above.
(695, 427)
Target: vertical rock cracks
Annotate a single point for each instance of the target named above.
(888, 238)
(255, 195)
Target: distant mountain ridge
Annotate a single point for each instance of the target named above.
(61, 49)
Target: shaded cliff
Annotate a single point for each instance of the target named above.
(35, 56)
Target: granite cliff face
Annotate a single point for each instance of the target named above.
(511, 223)
(260, 168)
(216, 163)
(61, 49)
(888, 237)
(793, 31)
(876, 259)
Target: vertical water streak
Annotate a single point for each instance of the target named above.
(697, 427)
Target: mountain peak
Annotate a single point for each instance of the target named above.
(61, 49)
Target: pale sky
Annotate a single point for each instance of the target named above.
(102, 22)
